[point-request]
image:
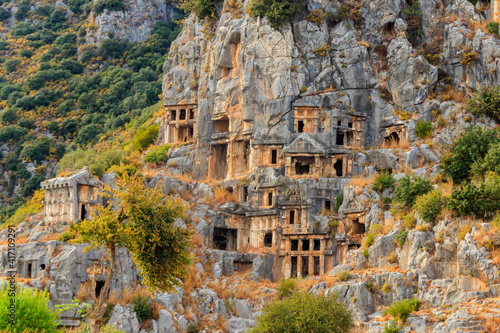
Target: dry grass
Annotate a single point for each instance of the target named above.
(495, 256)
(222, 195)
(186, 195)
(55, 251)
(482, 237)
(402, 143)
(457, 96)
(191, 280)
(492, 324)
(360, 182)
(387, 227)
(85, 291)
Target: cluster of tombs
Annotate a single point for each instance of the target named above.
(289, 214)
(273, 218)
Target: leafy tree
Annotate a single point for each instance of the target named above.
(22, 10)
(144, 223)
(383, 181)
(485, 102)
(31, 152)
(429, 205)
(26, 123)
(423, 129)
(111, 5)
(471, 147)
(87, 134)
(304, 312)
(74, 67)
(11, 65)
(409, 188)
(4, 14)
(22, 29)
(3, 44)
(32, 185)
(11, 133)
(8, 116)
(110, 48)
(480, 200)
(145, 137)
(32, 311)
(68, 127)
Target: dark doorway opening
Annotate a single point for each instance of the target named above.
(225, 239)
(305, 266)
(317, 245)
(291, 217)
(245, 193)
(173, 115)
(357, 227)
(316, 266)
(339, 166)
(191, 114)
(98, 287)
(305, 245)
(268, 239)
(294, 245)
(301, 169)
(339, 123)
(350, 125)
(28, 272)
(352, 247)
(394, 137)
(270, 199)
(328, 205)
(294, 267)
(83, 213)
(42, 267)
(274, 156)
(300, 126)
(220, 165)
(340, 139)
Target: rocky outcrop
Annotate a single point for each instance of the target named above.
(134, 23)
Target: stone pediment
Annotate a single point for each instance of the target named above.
(304, 143)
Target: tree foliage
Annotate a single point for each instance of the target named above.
(304, 312)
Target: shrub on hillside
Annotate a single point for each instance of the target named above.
(32, 311)
(157, 155)
(145, 137)
(429, 205)
(493, 27)
(305, 312)
(8, 116)
(4, 14)
(278, 12)
(471, 147)
(383, 181)
(111, 5)
(98, 162)
(481, 200)
(287, 287)
(423, 129)
(403, 309)
(409, 188)
(485, 102)
(491, 161)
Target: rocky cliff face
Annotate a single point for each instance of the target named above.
(240, 95)
(134, 23)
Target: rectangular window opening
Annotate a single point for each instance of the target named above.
(274, 156)
(294, 245)
(317, 245)
(300, 126)
(294, 267)
(292, 217)
(305, 245)
(305, 266)
(182, 114)
(316, 266)
(270, 199)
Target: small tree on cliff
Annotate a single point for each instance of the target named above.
(142, 220)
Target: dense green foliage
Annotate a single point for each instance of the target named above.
(305, 312)
(383, 181)
(143, 307)
(157, 155)
(480, 200)
(493, 28)
(278, 12)
(486, 102)
(287, 287)
(429, 205)
(468, 149)
(51, 81)
(409, 188)
(403, 309)
(423, 129)
(32, 311)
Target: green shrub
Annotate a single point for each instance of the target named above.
(491, 161)
(338, 201)
(305, 312)
(413, 18)
(26, 53)
(409, 188)
(493, 28)
(471, 147)
(480, 200)
(143, 306)
(401, 237)
(287, 287)
(32, 311)
(423, 129)
(392, 327)
(157, 155)
(486, 101)
(344, 276)
(4, 14)
(26, 123)
(98, 162)
(11, 65)
(429, 205)
(111, 5)
(403, 309)
(22, 10)
(193, 328)
(66, 236)
(383, 181)
(12, 133)
(278, 12)
(145, 137)
(8, 116)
